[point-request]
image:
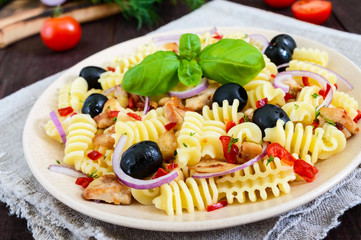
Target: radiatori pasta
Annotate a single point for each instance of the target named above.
(205, 136)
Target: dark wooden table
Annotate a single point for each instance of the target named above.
(28, 61)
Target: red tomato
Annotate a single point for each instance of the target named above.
(61, 33)
(279, 3)
(316, 12)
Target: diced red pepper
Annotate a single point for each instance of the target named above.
(336, 86)
(324, 93)
(113, 114)
(305, 170)
(111, 69)
(217, 36)
(276, 150)
(65, 111)
(94, 155)
(241, 120)
(230, 124)
(170, 125)
(315, 124)
(305, 81)
(262, 102)
(161, 172)
(130, 102)
(216, 206)
(232, 154)
(288, 96)
(358, 117)
(84, 181)
(135, 116)
(172, 166)
(273, 76)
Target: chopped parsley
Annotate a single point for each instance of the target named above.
(57, 161)
(233, 140)
(93, 174)
(245, 118)
(297, 106)
(192, 134)
(315, 95)
(115, 119)
(329, 121)
(270, 159)
(175, 154)
(185, 145)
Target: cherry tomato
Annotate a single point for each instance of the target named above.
(61, 33)
(316, 12)
(279, 3)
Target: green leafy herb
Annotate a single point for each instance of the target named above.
(233, 140)
(155, 75)
(270, 159)
(175, 154)
(317, 113)
(315, 95)
(189, 46)
(185, 145)
(189, 72)
(115, 119)
(93, 174)
(192, 134)
(245, 118)
(57, 161)
(231, 60)
(297, 106)
(329, 121)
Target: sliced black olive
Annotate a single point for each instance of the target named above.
(267, 116)
(91, 74)
(278, 54)
(229, 92)
(285, 40)
(142, 159)
(94, 104)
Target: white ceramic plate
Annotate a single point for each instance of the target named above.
(41, 151)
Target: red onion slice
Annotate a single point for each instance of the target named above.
(339, 77)
(66, 171)
(235, 169)
(278, 82)
(282, 65)
(133, 182)
(260, 38)
(53, 3)
(58, 126)
(146, 105)
(110, 90)
(191, 92)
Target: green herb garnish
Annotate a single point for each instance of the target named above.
(185, 145)
(93, 174)
(297, 106)
(315, 95)
(57, 161)
(270, 159)
(115, 119)
(233, 140)
(192, 134)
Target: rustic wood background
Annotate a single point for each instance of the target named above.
(28, 61)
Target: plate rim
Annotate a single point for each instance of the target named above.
(187, 226)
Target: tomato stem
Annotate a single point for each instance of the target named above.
(57, 11)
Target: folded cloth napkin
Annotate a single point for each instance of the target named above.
(50, 219)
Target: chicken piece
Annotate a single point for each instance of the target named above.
(205, 98)
(295, 87)
(139, 106)
(167, 143)
(248, 114)
(248, 151)
(163, 101)
(339, 115)
(172, 46)
(121, 95)
(104, 139)
(103, 120)
(109, 189)
(212, 166)
(112, 104)
(174, 111)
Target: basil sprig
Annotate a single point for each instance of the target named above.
(228, 60)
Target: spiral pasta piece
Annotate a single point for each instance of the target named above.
(246, 131)
(64, 96)
(223, 114)
(345, 101)
(334, 141)
(259, 89)
(306, 66)
(145, 196)
(311, 55)
(209, 139)
(258, 180)
(310, 95)
(302, 112)
(81, 132)
(191, 194)
(268, 72)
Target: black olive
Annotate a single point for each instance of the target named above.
(94, 104)
(278, 54)
(267, 116)
(141, 159)
(91, 74)
(285, 40)
(229, 92)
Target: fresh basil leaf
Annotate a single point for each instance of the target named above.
(189, 46)
(155, 75)
(231, 60)
(189, 72)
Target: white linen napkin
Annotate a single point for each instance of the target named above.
(50, 219)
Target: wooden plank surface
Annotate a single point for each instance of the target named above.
(24, 63)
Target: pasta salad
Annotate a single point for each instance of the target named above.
(199, 121)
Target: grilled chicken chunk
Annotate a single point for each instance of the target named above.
(109, 189)
(339, 116)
